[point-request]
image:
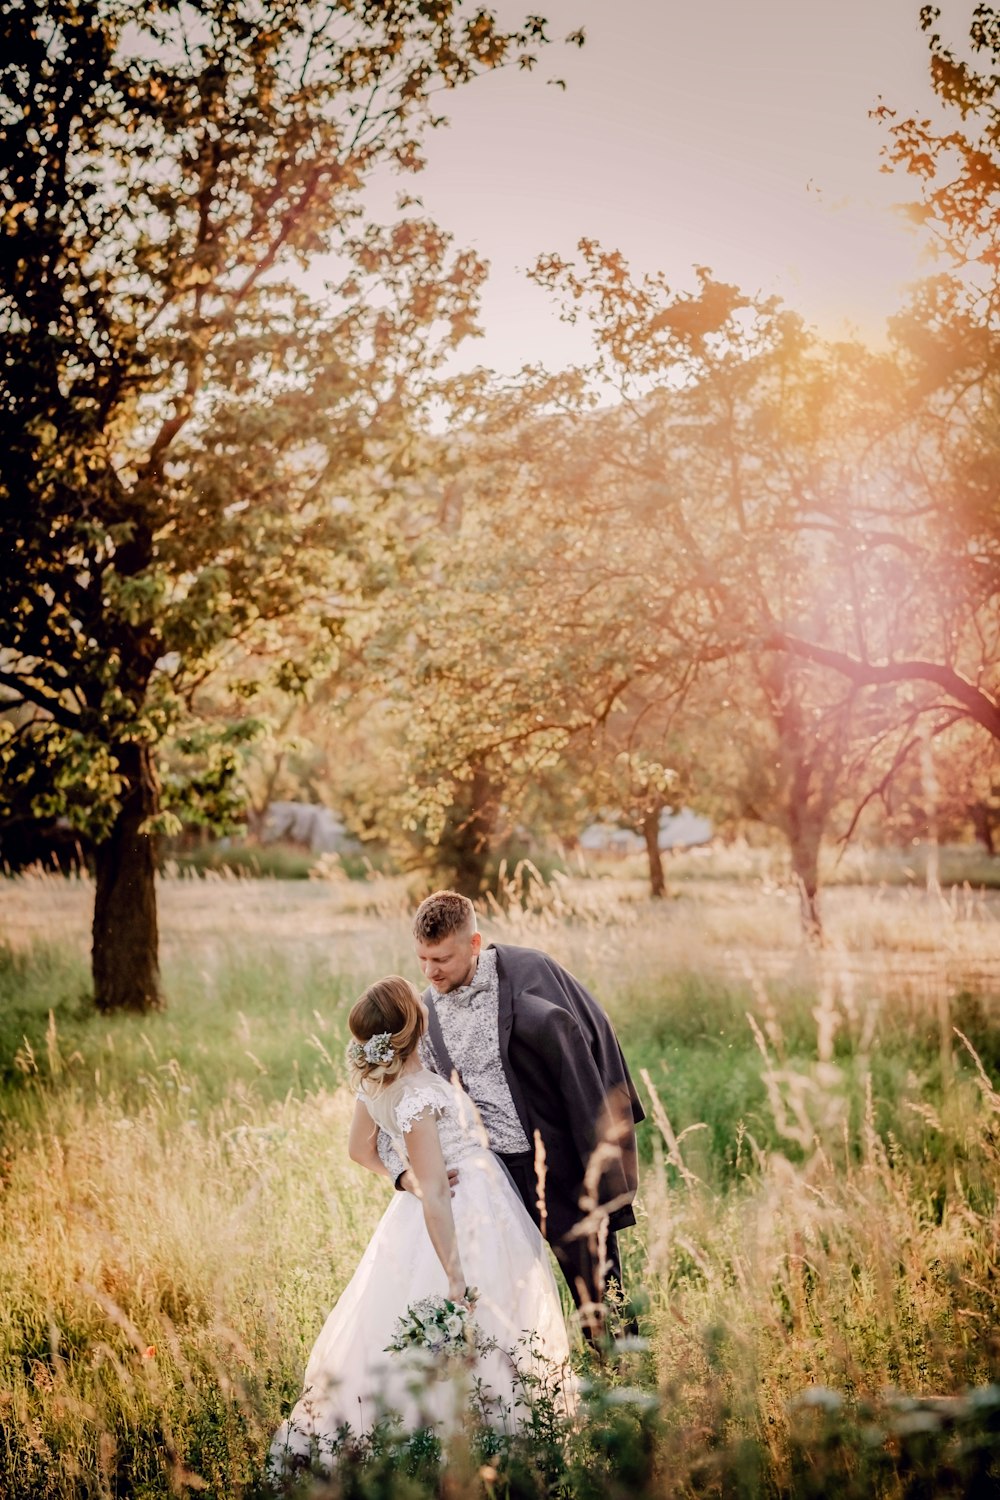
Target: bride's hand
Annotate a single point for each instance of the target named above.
(408, 1182)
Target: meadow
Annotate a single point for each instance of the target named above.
(814, 1267)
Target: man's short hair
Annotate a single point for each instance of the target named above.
(441, 914)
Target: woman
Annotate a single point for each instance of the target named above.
(439, 1241)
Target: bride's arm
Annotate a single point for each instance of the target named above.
(362, 1147)
(362, 1143)
(434, 1191)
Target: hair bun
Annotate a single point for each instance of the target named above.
(386, 1024)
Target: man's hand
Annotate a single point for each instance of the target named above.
(408, 1182)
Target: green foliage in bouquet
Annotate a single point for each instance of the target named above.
(440, 1327)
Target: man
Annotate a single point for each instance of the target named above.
(540, 1060)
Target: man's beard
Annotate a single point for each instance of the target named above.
(458, 984)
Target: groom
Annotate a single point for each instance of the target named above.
(540, 1060)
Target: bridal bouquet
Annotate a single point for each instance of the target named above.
(440, 1327)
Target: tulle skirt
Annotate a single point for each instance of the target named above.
(351, 1380)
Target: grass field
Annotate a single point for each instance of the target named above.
(817, 1248)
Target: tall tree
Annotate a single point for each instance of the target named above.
(496, 650)
(186, 440)
(600, 559)
(719, 484)
(935, 541)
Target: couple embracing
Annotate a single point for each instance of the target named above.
(500, 1105)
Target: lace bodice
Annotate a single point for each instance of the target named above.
(397, 1108)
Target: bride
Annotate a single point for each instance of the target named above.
(465, 1227)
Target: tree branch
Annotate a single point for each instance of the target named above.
(979, 706)
(42, 698)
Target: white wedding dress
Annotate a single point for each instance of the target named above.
(350, 1378)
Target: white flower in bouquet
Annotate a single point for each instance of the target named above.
(438, 1326)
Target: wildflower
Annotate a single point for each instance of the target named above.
(149, 1352)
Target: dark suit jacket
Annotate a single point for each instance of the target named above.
(569, 1081)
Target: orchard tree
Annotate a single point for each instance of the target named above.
(603, 559)
(626, 771)
(934, 541)
(497, 649)
(637, 789)
(720, 489)
(190, 447)
(781, 744)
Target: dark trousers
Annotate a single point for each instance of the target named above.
(588, 1262)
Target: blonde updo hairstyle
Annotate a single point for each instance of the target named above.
(390, 1005)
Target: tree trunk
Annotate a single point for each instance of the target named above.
(982, 826)
(651, 833)
(808, 769)
(468, 849)
(804, 843)
(931, 788)
(125, 952)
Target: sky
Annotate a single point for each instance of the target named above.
(734, 134)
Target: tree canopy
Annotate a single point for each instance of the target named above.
(790, 536)
(192, 448)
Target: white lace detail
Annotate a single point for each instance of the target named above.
(414, 1104)
(395, 1109)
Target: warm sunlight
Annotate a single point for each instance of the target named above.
(499, 836)
(730, 136)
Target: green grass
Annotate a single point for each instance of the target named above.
(958, 865)
(818, 1205)
(278, 861)
(766, 858)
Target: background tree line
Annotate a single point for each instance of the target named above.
(728, 560)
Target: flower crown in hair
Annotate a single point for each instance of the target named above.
(377, 1050)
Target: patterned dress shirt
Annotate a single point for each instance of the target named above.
(469, 1021)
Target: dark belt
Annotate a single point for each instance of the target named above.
(516, 1158)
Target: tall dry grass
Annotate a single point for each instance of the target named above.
(818, 1211)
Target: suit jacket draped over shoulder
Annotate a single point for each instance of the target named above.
(570, 1083)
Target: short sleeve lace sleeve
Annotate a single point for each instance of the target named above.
(413, 1104)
